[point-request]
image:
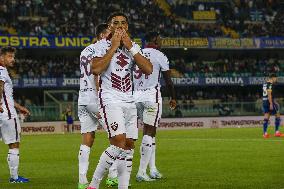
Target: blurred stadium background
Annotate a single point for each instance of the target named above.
(219, 52)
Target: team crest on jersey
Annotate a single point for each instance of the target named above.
(114, 126)
(122, 60)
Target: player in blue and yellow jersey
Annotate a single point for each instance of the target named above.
(270, 106)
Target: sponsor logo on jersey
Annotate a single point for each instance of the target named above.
(122, 60)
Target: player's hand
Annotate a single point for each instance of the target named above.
(24, 111)
(271, 107)
(116, 38)
(126, 40)
(173, 104)
(1, 109)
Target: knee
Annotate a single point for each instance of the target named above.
(130, 144)
(149, 130)
(14, 145)
(88, 139)
(119, 141)
(90, 142)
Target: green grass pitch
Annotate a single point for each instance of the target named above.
(234, 158)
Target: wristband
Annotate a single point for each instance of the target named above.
(134, 50)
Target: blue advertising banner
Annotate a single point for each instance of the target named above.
(196, 81)
(223, 81)
(73, 42)
(210, 81)
(49, 41)
(45, 41)
(269, 42)
(38, 83)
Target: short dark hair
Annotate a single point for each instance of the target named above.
(116, 14)
(7, 49)
(151, 35)
(101, 28)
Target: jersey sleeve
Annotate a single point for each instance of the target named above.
(3, 75)
(88, 51)
(164, 62)
(99, 49)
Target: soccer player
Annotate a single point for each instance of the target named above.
(270, 106)
(149, 104)
(10, 128)
(88, 109)
(115, 58)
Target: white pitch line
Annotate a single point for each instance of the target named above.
(224, 139)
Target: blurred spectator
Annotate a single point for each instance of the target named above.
(223, 109)
(51, 66)
(233, 18)
(226, 66)
(66, 66)
(69, 119)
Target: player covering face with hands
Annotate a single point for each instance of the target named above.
(149, 105)
(113, 61)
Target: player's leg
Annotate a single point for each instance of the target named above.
(149, 132)
(72, 126)
(67, 127)
(277, 121)
(107, 159)
(11, 136)
(266, 112)
(265, 125)
(115, 126)
(151, 116)
(154, 173)
(112, 179)
(124, 163)
(83, 158)
(277, 125)
(146, 144)
(89, 125)
(145, 147)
